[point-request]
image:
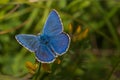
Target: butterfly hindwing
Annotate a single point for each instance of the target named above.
(28, 41)
(60, 43)
(44, 54)
(53, 25)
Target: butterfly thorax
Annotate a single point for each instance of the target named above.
(43, 39)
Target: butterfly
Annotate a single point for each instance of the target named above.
(51, 43)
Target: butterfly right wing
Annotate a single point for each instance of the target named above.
(30, 42)
(60, 43)
(53, 25)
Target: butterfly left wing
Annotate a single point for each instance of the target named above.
(30, 42)
(60, 43)
(44, 54)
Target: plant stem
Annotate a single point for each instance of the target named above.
(36, 76)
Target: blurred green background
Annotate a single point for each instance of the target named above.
(94, 27)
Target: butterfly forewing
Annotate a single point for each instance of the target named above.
(28, 41)
(53, 25)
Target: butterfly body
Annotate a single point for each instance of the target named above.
(43, 39)
(51, 43)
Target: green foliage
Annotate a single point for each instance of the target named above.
(94, 57)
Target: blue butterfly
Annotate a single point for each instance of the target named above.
(52, 42)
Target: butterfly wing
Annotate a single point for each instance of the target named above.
(44, 54)
(53, 25)
(60, 43)
(30, 42)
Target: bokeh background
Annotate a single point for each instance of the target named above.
(94, 27)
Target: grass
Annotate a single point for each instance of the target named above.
(95, 56)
